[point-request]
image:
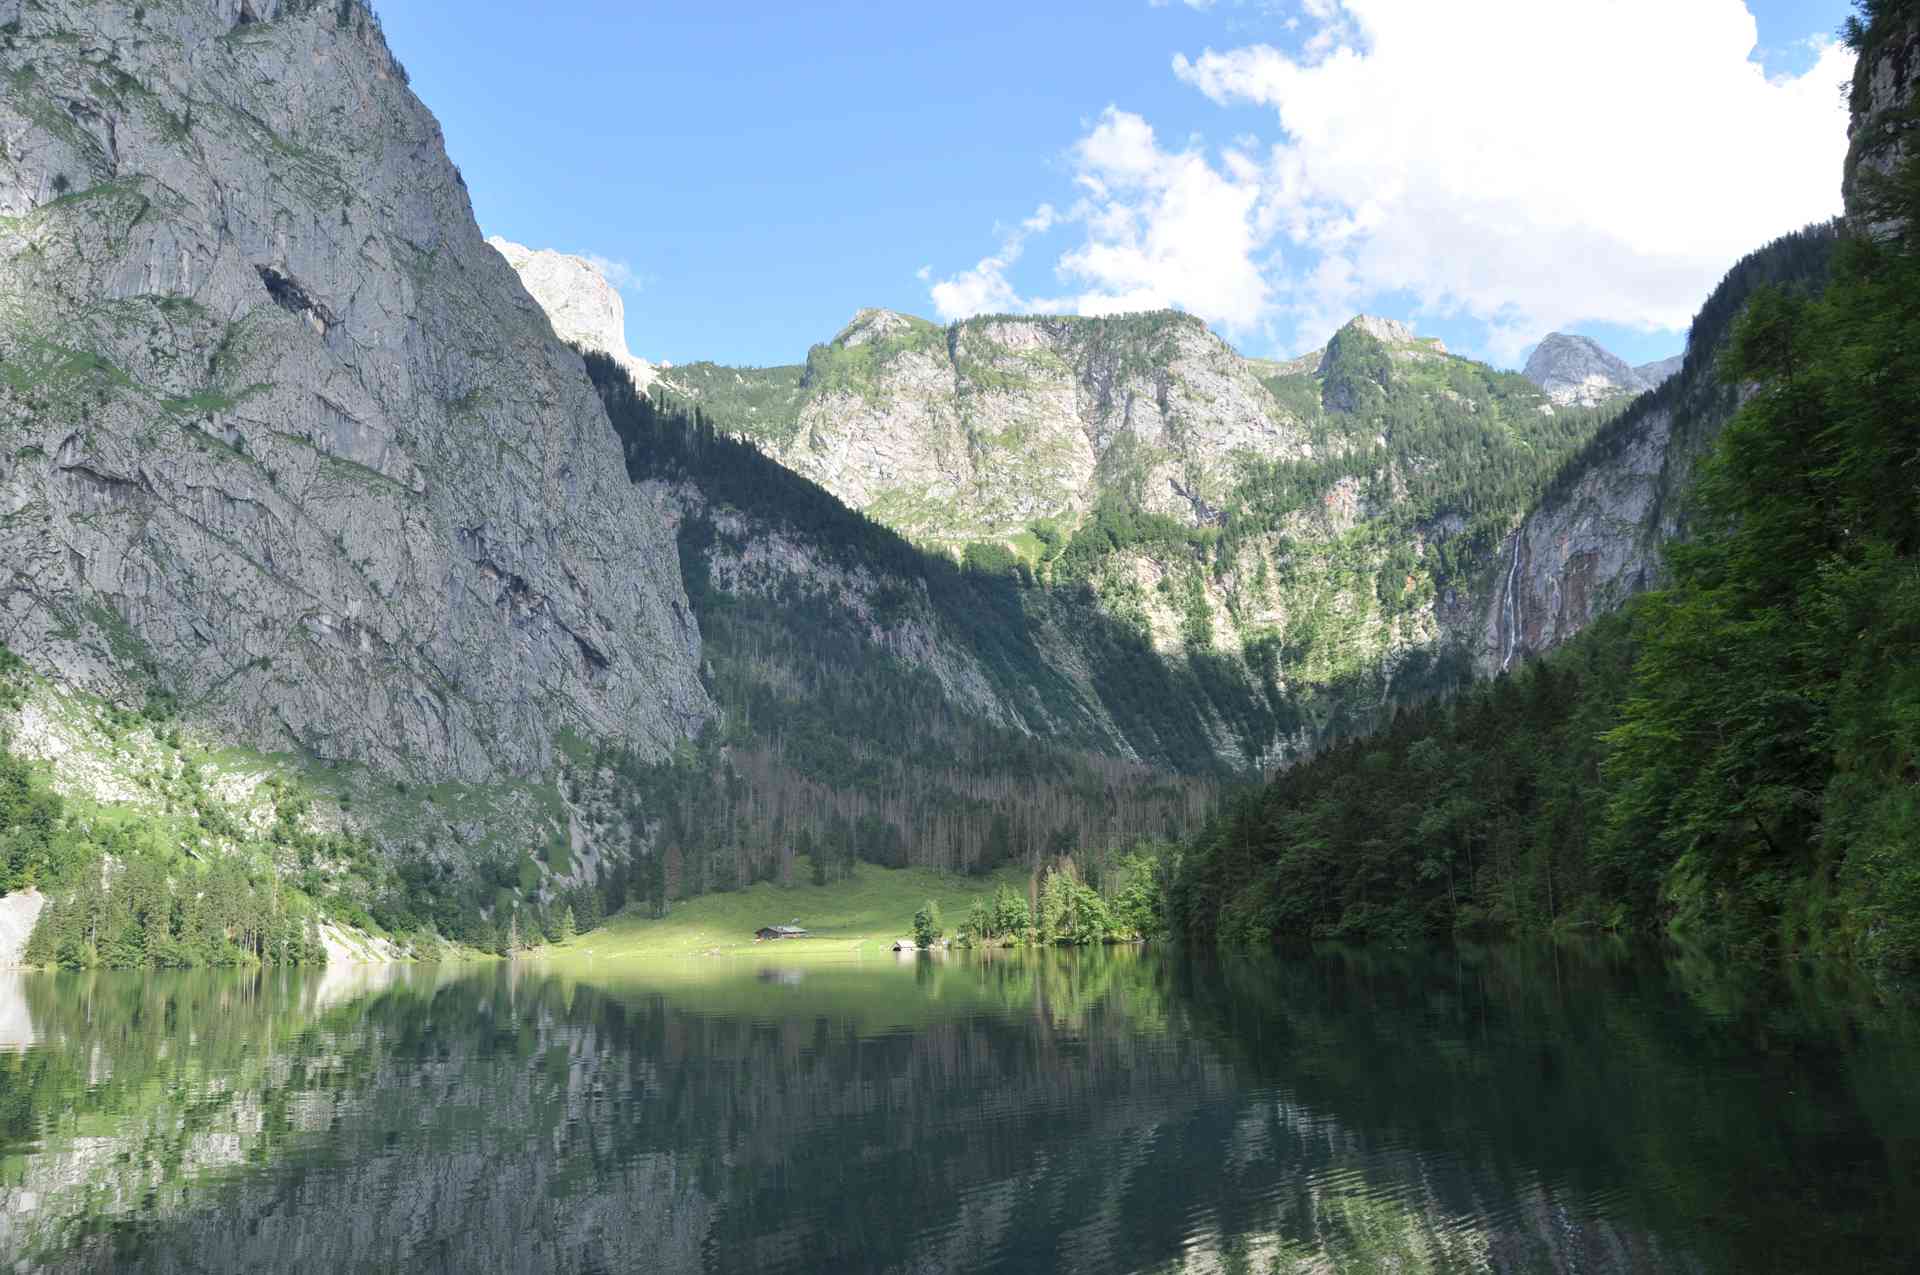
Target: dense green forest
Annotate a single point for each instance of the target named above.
(131, 891)
(1737, 758)
(1431, 439)
(988, 609)
(831, 748)
(192, 871)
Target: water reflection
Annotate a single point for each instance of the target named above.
(16, 1020)
(1501, 1110)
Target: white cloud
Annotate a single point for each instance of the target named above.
(1160, 229)
(1538, 164)
(618, 273)
(1531, 164)
(985, 289)
(1166, 228)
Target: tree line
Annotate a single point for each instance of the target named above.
(1737, 757)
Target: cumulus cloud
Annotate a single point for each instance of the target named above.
(985, 289)
(1530, 165)
(1159, 228)
(616, 272)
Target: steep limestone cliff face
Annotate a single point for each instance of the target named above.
(1884, 112)
(585, 307)
(279, 432)
(1591, 546)
(1596, 535)
(979, 430)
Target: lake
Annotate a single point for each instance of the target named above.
(1551, 1108)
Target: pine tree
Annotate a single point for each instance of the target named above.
(926, 925)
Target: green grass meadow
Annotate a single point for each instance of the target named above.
(844, 918)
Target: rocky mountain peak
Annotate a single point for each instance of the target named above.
(1577, 370)
(875, 324)
(1402, 345)
(581, 303)
(1392, 331)
(1660, 370)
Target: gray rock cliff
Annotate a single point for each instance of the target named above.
(1578, 371)
(1884, 115)
(279, 432)
(1596, 536)
(978, 430)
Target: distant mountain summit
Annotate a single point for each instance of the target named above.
(1579, 371)
(581, 303)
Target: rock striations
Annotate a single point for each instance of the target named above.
(282, 435)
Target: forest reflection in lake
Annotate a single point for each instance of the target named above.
(1508, 1109)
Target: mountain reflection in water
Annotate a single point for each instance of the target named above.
(1505, 1109)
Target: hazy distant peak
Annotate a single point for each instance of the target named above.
(1575, 369)
(1660, 370)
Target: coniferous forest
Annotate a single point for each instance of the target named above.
(1736, 759)
(832, 748)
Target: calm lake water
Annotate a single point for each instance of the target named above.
(1505, 1109)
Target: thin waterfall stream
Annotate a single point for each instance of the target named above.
(1513, 623)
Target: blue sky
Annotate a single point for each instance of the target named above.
(764, 170)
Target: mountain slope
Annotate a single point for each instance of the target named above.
(1031, 437)
(1331, 582)
(1595, 537)
(285, 439)
(976, 432)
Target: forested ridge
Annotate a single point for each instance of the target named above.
(1736, 758)
(831, 748)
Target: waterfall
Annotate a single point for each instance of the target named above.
(1513, 618)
